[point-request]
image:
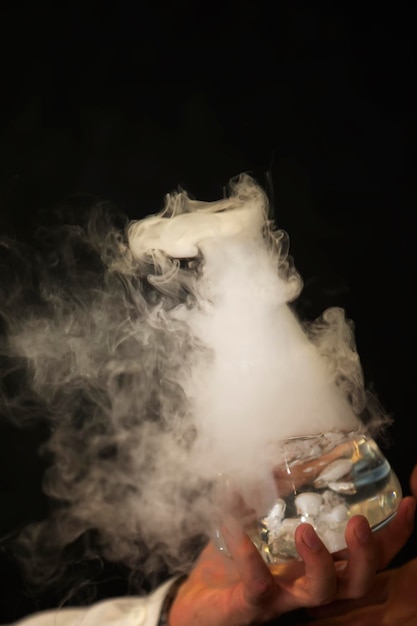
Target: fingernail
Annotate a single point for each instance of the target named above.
(310, 538)
(363, 531)
(340, 566)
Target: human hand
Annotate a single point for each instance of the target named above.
(391, 600)
(242, 590)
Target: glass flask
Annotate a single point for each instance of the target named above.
(323, 480)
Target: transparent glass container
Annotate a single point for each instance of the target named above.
(323, 480)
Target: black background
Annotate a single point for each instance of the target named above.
(127, 102)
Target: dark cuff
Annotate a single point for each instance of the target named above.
(169, 599)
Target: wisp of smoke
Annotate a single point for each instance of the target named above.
(163, 352)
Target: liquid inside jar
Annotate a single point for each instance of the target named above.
(324, 480)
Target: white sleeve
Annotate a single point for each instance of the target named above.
(129, 611)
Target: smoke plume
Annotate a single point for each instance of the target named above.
(162, 352)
